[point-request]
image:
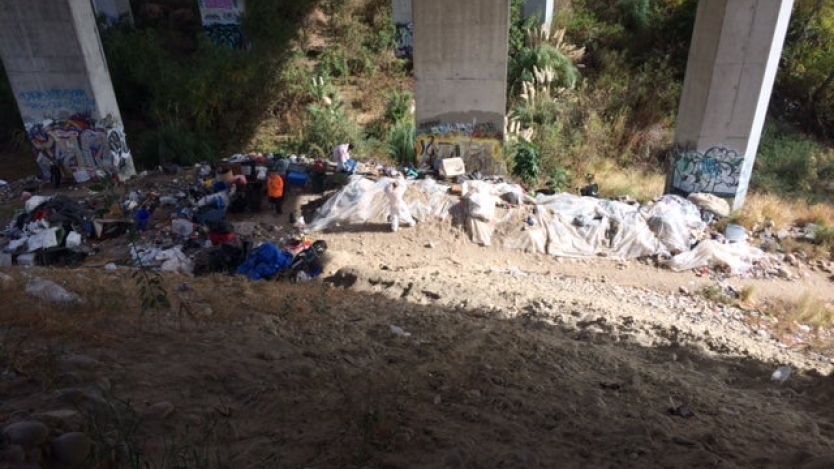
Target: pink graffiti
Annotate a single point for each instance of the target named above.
(220, 4)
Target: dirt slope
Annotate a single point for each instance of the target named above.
(424, 351)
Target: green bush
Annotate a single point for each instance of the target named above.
(327, 126)
(525, 161)
(167, 145)
(333, 63)
(204, 95)
(398, 107)
(790, 164)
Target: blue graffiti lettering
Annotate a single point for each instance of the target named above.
(56, 100)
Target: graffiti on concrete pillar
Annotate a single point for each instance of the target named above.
(51, 102)
(716, 171)
(221, 22)
(405, 40)
(81, 143)
(479, 145)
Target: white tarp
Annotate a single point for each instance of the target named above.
(564, 225)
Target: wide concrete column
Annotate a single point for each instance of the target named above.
(56, 66)
(460, 70)
(732, 64)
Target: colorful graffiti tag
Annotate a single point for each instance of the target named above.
(63, 133)
(716, 171)
(479, 145)
(81, 143)
(405, 40)
(221, 22)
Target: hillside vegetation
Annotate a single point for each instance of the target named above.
(588, 96)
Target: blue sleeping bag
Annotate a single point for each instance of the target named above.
(266, 261)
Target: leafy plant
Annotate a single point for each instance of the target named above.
(399, 106)
(526, 162)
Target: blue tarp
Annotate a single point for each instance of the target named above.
(265, 262)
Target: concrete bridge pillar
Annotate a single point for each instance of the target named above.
(460, 71)
(541, 9)
(113, 11)
(54, 60)
(404, 22)
(730, 72)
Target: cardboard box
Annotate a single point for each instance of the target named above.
(451, 167)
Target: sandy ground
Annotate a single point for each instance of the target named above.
(415, 349)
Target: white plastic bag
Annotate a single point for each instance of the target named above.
(44, 240)
(73, 239)
(482, 205)
(737, 257)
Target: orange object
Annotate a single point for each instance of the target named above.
(275, 186)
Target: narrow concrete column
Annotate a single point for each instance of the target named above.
(460, 70)
(113, 11)
(404, 22)
(542, 9)
(221, 22)
(58, 73)
(732, 64)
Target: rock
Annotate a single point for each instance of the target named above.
(783, 272)
(67, 419)
(6, 281)
(104, 384)
(455, 458)
(77, 395)
(81, 361)
(71, 448)
(344, 277)
(684, 291)
(710, 203)
(12, 454)
(159, 411)
(27, 434)
(791, 259)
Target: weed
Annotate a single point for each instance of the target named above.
(321, 302)
(290, 306)
(808, 309)
(717, 294)
(747, 293)
(401, 145)
(114, 425)
(369, 412)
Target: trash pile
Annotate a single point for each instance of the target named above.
(178, 223)
(676, 231)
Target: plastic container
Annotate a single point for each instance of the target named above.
(220, 238)
(297, 178)
(735, 233)
(143, 219)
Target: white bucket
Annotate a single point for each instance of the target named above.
(81, 176)
(735, 233)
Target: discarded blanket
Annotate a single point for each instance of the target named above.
(266, 261)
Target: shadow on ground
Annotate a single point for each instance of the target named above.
(267, 374)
